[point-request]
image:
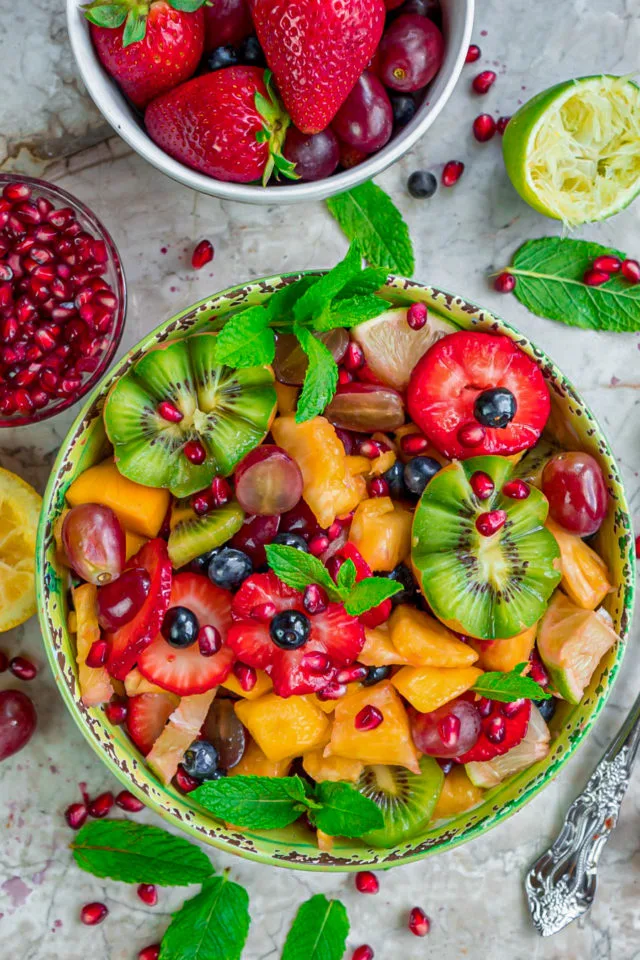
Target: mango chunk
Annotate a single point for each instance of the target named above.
(458, 794)
(505, 655)
(381, 530)
(140, 509)
(331, 768)
(425, 642)
(95, 683)
(181, 730)
(255, 764)
(135, 683)
(585, 577)
(427, 688)
(287, 398)
(378, 650)
(283, 728)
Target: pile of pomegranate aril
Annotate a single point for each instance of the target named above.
(56, 310)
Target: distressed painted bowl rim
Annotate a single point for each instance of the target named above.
(117, 751)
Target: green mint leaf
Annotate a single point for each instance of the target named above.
(260, 803)
(187, 6)
(369, 280)
(319, 931)
(281, 303)
(344, 811)
(214, 924)
(346, 577)
(369, 214)
(315, 300)
(549, 283)
(246, 340)
(321, 378)
(135, 28)
(138, 853)
(507, 687)
(298, 569)
(110, 15)
(369, 593)
(350, 312)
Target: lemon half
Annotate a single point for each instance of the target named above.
(573, 151)
(19, 511)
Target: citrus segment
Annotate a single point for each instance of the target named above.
(19, 512)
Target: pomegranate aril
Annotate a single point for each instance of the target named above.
(63, 311)
(483, 82)
(64, 271)
(184, 781)
(16, 226)
(45, 272)
(364, 952)
(516, 489)
(73, 230)
(333, 565)
(471, 434)
(504, 283)
(209, 640)
(352, 674)
(202, 254)
(93, 913)
(16, 192)
(379, 487)
(42, 255)
(148, 893)
(9, 329)
(69, 385)
(318, 544)
(44, 206)
(511, 709)
(25, 377)
(595, 278)
(45, 234)
(473, 53)
(417, 316)
(220, 491)
(168, 411)
(49, 380)
(607, 263)
(116, 712)
(369, 448)
(413, 444)
(151, 952)
(367, 882)
(354, 357)
(106, 299)
(368, 718)
(318, 663)
(452, 172)
(538, 671)
(201, 503)
(61, 218)
(489, 523)
(39, 398)
(28, 213)
(98, 653)
(101, 806)
(484, 127)
(6, 273)
(25, 309)
(22, 668)
(46, 336)
(126, 801)
(501, 124)
(495, 729)
(344, 376)
(315, 599)
(7, 404)
(24, 403)
(419, 922)
(246, 676)
(6, 295)
(482, 485)
(76, 815)
(630, 270)
(195, 452)
(332, 691)
(264, 612)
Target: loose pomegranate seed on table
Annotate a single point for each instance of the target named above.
(102, 804)
(607, 263)
(419, 922)
(452, 172)
(630, 270)
(22, 668)
(365, 952)
(202, 255)
(151, 952)
(473, 53)
(367, 882)
(504, 283)
(76, 815)
(483, 82)
(484, 127)
(148, 893)
(93, 913)
(126, 801)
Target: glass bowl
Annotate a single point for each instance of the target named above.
(113, 275)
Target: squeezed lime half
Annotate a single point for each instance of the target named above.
(573, 151)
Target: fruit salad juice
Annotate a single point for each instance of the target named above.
(255, 593)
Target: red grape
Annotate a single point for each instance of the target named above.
(268, 481)
(17, 722)
(316, 156)
(120, 600)
(574, 486)
(447, 732)
(300, 520)
(410, 53)
(94, 542)
(366, 408)
(252, 536)
(290, 363)
(226, 22)
(365, 119)
(223, 729)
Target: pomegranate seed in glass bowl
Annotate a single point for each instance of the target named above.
(62, 300)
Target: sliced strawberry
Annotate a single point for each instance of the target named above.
(513, 717)
(334, 633)
(185, 671)
(127, 643)
(450, 376)
(377, 615)
(147, 715)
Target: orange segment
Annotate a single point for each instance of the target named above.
(19, 513)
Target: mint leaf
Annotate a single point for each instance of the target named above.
(350, 312)
(507, 687)
(281, 303)
(321, 378)
(135, 28)
(549, 275)
(138, 853)
(298, 569)
(319, 931)
(316, 299)
(110, 15)
(246, 340)
(368, 214)
(344, 811)
(214, 924)
(367, 281)
(261, 803)
(346, 577)
(369, 593)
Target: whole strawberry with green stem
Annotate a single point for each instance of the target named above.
(148, 47)
(228, 124)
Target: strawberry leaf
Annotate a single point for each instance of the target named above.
(507, 687)
(246, 340)
(321, 378)
(187, 6)
(368, 213)
(135, 28)
(110, 15)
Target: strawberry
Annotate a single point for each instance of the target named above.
(184, 670)
(317, 51)
(150, 47)
(227, 124)
(504, 725)
(146, 716)
(127, 643)
(333, 633)
(376, 615)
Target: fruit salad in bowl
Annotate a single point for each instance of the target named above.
(329, 535)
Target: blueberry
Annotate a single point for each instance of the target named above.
(201, 563)
(375, 675)
(547, 708)
(291, 540)
(402, 575)
(395, 479)
(180, 627)
(222, 57)
(495, 408)
(251, 52)
(201, 761)
(422, 184)
(229, 567)
(418, 472)
(404, 109)
(290, 629)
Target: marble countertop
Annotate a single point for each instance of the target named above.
(473, 894)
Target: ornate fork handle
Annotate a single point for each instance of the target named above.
(561, 884)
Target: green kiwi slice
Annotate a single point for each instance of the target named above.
(487, 587)
(193, 535)
(407, 800)
(227, 410)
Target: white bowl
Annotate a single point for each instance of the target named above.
(458, 21)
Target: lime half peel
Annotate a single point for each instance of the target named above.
(573, 151)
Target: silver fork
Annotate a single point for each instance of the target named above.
(561, 884)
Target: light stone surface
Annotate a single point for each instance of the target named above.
(473, 894)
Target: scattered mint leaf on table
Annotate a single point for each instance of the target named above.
(138, 853)
(507, 687)
(213, 925)
(549, 283)
(369, 215)
(319, 931)
(321, 378)
(344, 811)
(259, 803)
(246, 340)
(370, 592)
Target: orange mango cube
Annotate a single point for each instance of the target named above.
(425, 642)
(427, 688)
(381, 530)
(284, 728)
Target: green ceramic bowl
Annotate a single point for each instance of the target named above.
(571, 423)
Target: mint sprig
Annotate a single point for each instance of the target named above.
(319, 931)
(507, 687)
(370, 215)
(214, 923)
(321, 378)
(246, 340)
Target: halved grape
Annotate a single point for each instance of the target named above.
(290, 363)
(447, 732)
(120, 600)
(94, 542)
(224, 730)
(574, 486)
(366, 408)
(268, 481)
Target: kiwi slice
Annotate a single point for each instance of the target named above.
(191, 535)
(407, 800)
(488, 587)
(530, 467)
(227, 411)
